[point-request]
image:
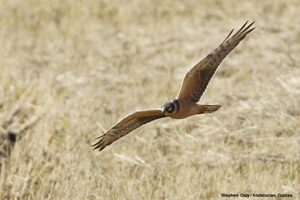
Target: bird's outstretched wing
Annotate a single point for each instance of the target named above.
(197, 79)
(126, 125)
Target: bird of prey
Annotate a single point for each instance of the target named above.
(185, 105)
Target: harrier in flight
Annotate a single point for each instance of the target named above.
(185, 105)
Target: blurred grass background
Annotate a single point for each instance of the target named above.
(70, 69)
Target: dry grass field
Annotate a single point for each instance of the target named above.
(70, 69)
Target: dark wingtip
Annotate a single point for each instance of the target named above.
(98, 145)
(228, 35)
(101, 144)
(243, 31)
(252, 23)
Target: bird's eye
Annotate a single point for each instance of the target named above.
(170, 108)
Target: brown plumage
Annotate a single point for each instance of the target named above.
(185, 105)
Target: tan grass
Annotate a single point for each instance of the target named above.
(71, 69)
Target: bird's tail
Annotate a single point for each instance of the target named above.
(211, 108)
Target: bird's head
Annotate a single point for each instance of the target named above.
(170, 107)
